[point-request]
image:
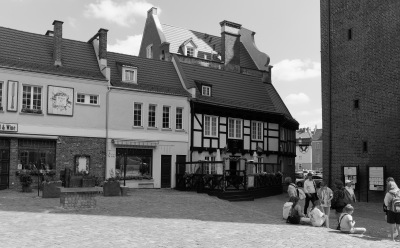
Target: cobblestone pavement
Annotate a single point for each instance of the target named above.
(168, 218)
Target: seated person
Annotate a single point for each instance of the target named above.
(346, 222)
(317, 217)
(296, 216)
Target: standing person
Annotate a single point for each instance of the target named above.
(350, 196)
(325, 195)
(292, 188)
(346, 222)
(393, 217)
(311, 192)
(338, 201)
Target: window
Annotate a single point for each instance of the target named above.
(37, 154)
(210, 168)
(1, 95)
(350, 34)
(165, 118)
(356, 104)
(137, 114)
(210, 126)
(235, 128)
(206, 90)
(179, 118)
(256, 130)
(149, 51)
(260, 167)
(365, 146)
(87, 99)
(152, 115)
(31, 98)
(129, 74)
(189, 51)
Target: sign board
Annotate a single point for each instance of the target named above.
(8, 127)
(376, 178)
(350, 173)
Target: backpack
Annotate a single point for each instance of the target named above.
(287, 207)
(340, 220)
(293, 218)
(395, 205)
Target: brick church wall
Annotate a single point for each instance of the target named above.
(363, 68)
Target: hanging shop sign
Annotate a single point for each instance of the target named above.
(8, 127)
(376, 178)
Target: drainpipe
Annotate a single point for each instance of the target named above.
(107, 111)
(330, 95)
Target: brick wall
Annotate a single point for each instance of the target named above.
(69, 147)
(363, 68)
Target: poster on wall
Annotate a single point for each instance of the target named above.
(12, 96)
(350, 173)
(60, 100)
(376, 178)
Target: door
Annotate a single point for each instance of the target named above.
(166, 171)
(4, 163)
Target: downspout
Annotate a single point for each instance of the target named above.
(107, 111)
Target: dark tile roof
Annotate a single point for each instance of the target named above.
(34, 52)
(317, 135)
(236, 90)
(205, 43)
(154, 76)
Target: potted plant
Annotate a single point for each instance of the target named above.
(111, 186)
(50, 185)
(26, 180)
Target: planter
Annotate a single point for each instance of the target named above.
(26, 188)
(51, 189)
(88, 182)
(111, 188)
(75, 182)
(124, 190)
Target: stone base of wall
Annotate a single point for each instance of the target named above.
(78, 198)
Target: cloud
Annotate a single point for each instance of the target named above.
(122, 13)
(71, 21)
(294, 99)
(296, 69)
(130, 45)
(310, 112)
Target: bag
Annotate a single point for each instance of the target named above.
(396, 203)
(301, 193)
(347, 197)
(340, 220)
(293, 219)
(287, 207)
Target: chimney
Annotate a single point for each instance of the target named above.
(57, 42)
(152, 11)
(102, 43)
(230, 45)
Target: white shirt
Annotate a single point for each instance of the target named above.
(317, 217)
(309, 186)
(344, 223)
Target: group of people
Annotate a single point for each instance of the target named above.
(323, 199)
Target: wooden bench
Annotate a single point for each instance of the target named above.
(77, 198)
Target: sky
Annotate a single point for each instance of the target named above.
(287, 30)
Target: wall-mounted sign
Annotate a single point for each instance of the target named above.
(350, 173)
(60, 100)
(8, 127)
(12, 96)
(376, 178)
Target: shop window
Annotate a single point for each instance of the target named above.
(138, 163)
(82, 164)
(36, 154)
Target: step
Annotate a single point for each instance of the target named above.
(146, 185)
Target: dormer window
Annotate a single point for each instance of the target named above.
(206, 90)
(149, 51)
(129, 74)
(190, 51)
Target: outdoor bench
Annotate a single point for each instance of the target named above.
(76, 198)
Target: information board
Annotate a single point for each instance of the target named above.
(376, 179)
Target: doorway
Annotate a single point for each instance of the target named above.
(166, 171)
(4, 163)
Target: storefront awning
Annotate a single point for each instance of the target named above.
(136, 143)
